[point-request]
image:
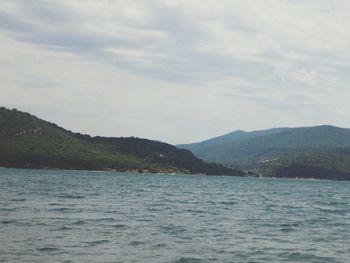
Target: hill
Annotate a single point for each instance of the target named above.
(29, 142)
(319, 151)
(223, 148)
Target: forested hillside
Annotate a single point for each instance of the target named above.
(317, 152)
(29, 142)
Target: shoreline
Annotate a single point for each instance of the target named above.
(108, 170)
(172, 173)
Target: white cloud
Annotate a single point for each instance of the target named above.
(178, 71)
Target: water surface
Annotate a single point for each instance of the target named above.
(80, 216)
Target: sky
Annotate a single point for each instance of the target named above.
(176, 71)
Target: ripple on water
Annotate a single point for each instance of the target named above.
(172, 229)
(18, 200)
(64, 228)
(10, 209)
(66, 210)
(56, 204)
(48, 216)
(306, 257)
(229, 203)
(79, 222)
(98, 242)
(102, 219)
(119, 226)
(11, 221)
(72, 196)
(137, 243)
(48, 249)
(188, 260)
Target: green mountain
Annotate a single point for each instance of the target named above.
(217, 148)
(29, 142)
(318, 152)
(321, 163)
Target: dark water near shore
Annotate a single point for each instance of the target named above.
(77, 216)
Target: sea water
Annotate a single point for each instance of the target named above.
(81, 216)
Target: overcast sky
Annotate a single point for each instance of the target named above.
(177, 71)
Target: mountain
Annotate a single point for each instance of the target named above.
(29, 142)
(321, 163)
(319, 151)
(217, 148)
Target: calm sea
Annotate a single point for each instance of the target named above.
(80, 216)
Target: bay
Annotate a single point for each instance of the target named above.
(82, 216)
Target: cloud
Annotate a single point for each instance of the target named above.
(177, 70)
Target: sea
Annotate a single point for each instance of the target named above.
(85, 216)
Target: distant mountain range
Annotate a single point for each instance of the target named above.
(308, 152)
(29, 142)
(315, 152)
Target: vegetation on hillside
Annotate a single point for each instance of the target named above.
(317, 152)
(29, 142)
(322, 163)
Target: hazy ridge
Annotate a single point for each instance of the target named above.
(317, 152)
